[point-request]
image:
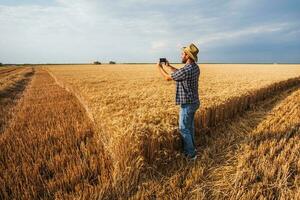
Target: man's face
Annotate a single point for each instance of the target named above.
(184, 57)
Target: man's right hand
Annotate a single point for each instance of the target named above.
(159, 65)
(173, 69)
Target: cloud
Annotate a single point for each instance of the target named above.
(158, 45)
(140, 30)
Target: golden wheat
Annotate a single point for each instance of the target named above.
(12, 83)
(110, 132)
(134, 109)
(48, 148)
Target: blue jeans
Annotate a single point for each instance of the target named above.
(186, 127)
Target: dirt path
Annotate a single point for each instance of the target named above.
(48, 150)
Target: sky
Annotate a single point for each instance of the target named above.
(83, 31)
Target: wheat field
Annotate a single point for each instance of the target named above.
(111, 132)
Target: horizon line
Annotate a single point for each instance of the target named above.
(133, 63)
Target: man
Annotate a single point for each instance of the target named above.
(186, 95)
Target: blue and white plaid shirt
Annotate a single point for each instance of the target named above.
(187, 84)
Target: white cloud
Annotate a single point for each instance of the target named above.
(84, 30)
(158, 45)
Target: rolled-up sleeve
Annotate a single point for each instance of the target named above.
(179, 75)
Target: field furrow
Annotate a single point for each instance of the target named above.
(48, 150)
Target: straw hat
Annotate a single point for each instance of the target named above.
(192, 51)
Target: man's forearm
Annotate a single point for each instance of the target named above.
(173, 69)
(164, 74)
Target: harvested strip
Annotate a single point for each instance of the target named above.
(49, 150)
(10, 93)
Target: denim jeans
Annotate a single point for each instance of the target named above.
(186, 127)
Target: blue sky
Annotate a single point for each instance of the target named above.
(62, 31)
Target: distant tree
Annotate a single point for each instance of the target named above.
(97, 63)
(112, 62)
(1, 64)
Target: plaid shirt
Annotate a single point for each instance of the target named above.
(187, 84)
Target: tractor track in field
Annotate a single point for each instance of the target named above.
(48, 149)
(11, 92)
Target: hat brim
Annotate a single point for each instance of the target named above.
(195, 58)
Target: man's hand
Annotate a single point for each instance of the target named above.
(163, 72)
(159, 65)
(173, 69)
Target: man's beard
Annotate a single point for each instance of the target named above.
(183, 61)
